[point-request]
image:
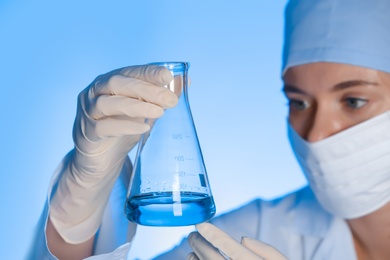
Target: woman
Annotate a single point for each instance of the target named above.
(336, 75)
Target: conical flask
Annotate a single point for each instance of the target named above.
(169, 184)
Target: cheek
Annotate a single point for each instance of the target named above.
(387, 102)
(300, 121)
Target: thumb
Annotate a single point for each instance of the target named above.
(224, 242)
(261, 249)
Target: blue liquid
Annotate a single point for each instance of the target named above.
(159, 209)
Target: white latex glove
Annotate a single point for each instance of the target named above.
(109, 121)
(212, 243)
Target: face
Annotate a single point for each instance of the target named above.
(326, 98)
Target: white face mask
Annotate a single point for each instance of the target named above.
(349, 172)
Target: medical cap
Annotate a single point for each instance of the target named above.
(355, 32)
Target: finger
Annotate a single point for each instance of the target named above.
(161, 75)
(134, 88)
(192, 256)
(202, 248)
(157, 75)
(225, 243)
(262, 249)
(106, 106)
(176, 85)
(114, 127)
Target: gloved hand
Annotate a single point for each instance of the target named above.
(212, 243)
(109, 121)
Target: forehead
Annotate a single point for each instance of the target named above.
(327, 73)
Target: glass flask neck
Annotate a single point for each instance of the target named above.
(179, 71)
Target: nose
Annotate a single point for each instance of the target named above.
(323, 123)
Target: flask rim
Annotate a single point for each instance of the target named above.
(172, 65)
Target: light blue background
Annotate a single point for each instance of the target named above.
(51, 50)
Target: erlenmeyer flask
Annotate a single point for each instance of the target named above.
(169, 184)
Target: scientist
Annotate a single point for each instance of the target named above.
(336, 73)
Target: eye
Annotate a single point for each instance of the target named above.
(298, 104)
(355, 102)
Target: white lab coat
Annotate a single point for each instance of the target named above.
(295, 224)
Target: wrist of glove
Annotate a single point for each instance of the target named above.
(211, 242)
(77, 206)
(110, 118)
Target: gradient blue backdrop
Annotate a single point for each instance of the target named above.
(51, 50)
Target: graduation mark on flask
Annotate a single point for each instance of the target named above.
(179, 136)
(202, 180)
(182, 158)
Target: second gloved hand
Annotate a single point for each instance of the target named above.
(211, 242)
(110, 119)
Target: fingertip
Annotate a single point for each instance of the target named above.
(193, 235)
(166, 75)
(192, 256)
(168, 99)
(161, 73)
(206, 229)
(144, 128)
(203, 226)
(173, 100)
(155, 112)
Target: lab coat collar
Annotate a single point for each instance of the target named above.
(307, 217)
(318, 227)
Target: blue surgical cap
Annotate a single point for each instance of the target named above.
(355, 32)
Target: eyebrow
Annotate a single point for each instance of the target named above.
(342, 85)
(292, 89)
(353, 83)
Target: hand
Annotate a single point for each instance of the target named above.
(110, 119)
(213, 243)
